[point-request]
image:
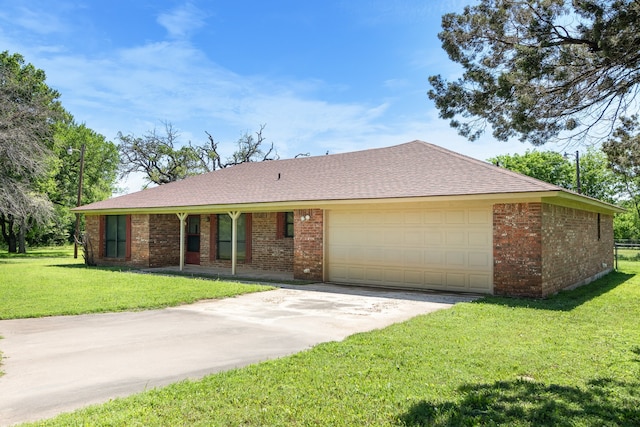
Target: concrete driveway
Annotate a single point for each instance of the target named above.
(58, 364)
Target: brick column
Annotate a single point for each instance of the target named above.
(517, 249)
(308, 244)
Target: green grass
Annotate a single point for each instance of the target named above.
(571, 360)
(40, 284)
(628, 255)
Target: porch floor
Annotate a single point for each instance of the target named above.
(225, 273)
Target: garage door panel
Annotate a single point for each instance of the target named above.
(434, 278)
(419, 248)
(455, 238)
(433, 217)
(480, 216)
(414, 277)
(412, 257)
(478, 259)
(393, 256)
(413, 238)
(392, 238)
(455, 217)
(433, 238)
(479, 282)
(456, 280)
(479, 238)
(433, 258)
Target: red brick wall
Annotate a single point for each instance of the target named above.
(270, 251)
(540, 249)
(573, 250)
(92, 232)
(139, 241)
(164, 240)
(308, 243)
(517, 249)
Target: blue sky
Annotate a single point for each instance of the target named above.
(323, 75)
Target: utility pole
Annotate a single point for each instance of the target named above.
(76, 236)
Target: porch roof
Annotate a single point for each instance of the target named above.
(412, 170)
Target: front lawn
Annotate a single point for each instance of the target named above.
(50, 282)
(571, 360)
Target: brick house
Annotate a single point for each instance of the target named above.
(413, 215)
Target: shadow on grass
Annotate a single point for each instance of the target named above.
(565, 300)
(80, 266)
(37, 253)
(526, 403)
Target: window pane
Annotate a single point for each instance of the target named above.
(115, 236)
(241, 228)
(193, 225)
(111, 249)
(224, 250)
(121, 249)
(122, 227)
(224, 228)
(225, 234)
(112, 227)
(288, 230)
(193, 243)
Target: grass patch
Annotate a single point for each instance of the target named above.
(570, 360)
(45, 284)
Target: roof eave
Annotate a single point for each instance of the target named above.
(555, 197)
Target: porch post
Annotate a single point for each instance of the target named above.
(182, 216)
(234, 240)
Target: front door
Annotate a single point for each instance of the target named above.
(193, 240)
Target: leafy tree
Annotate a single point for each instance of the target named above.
(623, 154)
(540, 69)
(28, 107)
(162, 161)
(61, 184)
(546, 166)
(596, 179)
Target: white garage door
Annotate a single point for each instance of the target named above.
(447, 249)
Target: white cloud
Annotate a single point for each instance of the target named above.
(182, 21)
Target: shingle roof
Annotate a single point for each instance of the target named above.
(413, 169)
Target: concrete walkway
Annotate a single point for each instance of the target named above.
(58, 364)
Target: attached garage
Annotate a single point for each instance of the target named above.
(417, 246)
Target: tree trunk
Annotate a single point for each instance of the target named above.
(8, 233)
(12, 241)
(22, 247)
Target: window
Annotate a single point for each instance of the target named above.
(223, 237)
(599, 232)
(115, 236)
(288, 224)
(284, 225)
(193, 234)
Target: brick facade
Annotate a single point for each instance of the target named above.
(517, 249)
(164, 240)
(308, 244)
(540, 248)
(577, 246)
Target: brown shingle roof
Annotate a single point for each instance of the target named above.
(413, 169)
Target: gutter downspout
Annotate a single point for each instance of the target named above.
(182, 216)
(234, 240)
